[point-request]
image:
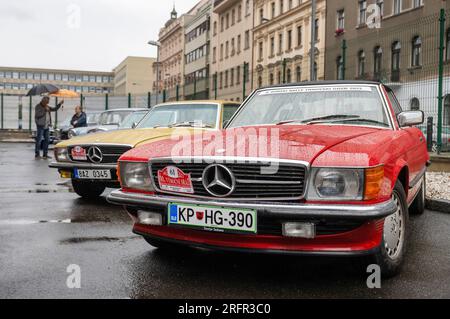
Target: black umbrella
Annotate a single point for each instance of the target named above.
(42, 89)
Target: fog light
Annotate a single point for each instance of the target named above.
(65, 174)
(147, 218)
(299, 230)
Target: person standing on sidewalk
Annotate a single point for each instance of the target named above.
(43, 119)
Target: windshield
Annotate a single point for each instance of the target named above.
(342, 104)
(181, 115)
(133, 118)
(113, 118)
(93, 118)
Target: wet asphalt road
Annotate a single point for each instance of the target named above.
(44, 228)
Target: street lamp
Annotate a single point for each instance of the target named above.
(158, 46)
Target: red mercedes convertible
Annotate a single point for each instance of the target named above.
(323, 168)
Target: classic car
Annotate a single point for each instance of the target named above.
(62, 132)
(346, 169)
(108, 121)
(90, 161)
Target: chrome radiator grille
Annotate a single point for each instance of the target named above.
(110, 153)
(288, 182)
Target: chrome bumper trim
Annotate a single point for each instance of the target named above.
(362, 212)
(72, 165)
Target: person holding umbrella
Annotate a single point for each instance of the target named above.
(43, 121)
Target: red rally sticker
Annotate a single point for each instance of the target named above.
(173, 179)
(79, 153)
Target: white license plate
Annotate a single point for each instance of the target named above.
(92, 173)
(210, 218)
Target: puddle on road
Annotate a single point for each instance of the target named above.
(23, 222)
(82, 240)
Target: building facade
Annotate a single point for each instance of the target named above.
(18, 81)
(196, 54)
(231, 49)
(134, 75)
(282, 41)
(393, 41)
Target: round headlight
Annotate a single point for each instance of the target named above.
(70, 134)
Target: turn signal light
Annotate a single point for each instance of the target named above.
(373, 182)
(65, 174)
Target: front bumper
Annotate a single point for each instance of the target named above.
(269, 209)
(72, 165)
(364, 239)
(68, 168)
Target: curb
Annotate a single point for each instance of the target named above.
(438, 205)
(17, 141)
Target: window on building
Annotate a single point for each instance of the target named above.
(271, 79)
(298, 74)
(289, 40)
(288, 76)
(362, 17)
(415, 104)
(239, 13)
(247, 40)
(397, 6)
(448, 46)
(279, 77)
(281, 6)
(261, 16)
(396, 49)
(238, 44)
(361, 63)
(272, 10)
(340, 23)
(260, 51)
(380, 5)
(299, 36)
(377, 61)
(447, 110)
(340, 68)
(233, 17)
(260, 83)
(416, 59)
(238, 75)
(280, 43)
(316, 32)
(247, 7)
(272, 46)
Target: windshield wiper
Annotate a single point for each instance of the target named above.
(322, 119)
(190, 124)
(364, 120)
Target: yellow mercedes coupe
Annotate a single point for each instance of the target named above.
(90, 161)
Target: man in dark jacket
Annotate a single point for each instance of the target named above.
(79, 119)
(43, 119)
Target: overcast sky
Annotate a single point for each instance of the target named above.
(80, 34)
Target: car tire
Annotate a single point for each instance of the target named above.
(418, 205)
(88, 190)
(161, 244)
(391, 254)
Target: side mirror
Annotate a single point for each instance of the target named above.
(134, 125)
(411, 118)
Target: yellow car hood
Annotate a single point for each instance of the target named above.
(132, 137)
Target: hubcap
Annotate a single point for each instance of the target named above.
(394, 230)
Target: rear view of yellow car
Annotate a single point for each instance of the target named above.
(90, 161)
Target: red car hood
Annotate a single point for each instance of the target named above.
(299, 142)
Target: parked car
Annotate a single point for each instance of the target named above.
(91, 160)
(107, 121)
(62, 132)
(130, 121)
(349, 169)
